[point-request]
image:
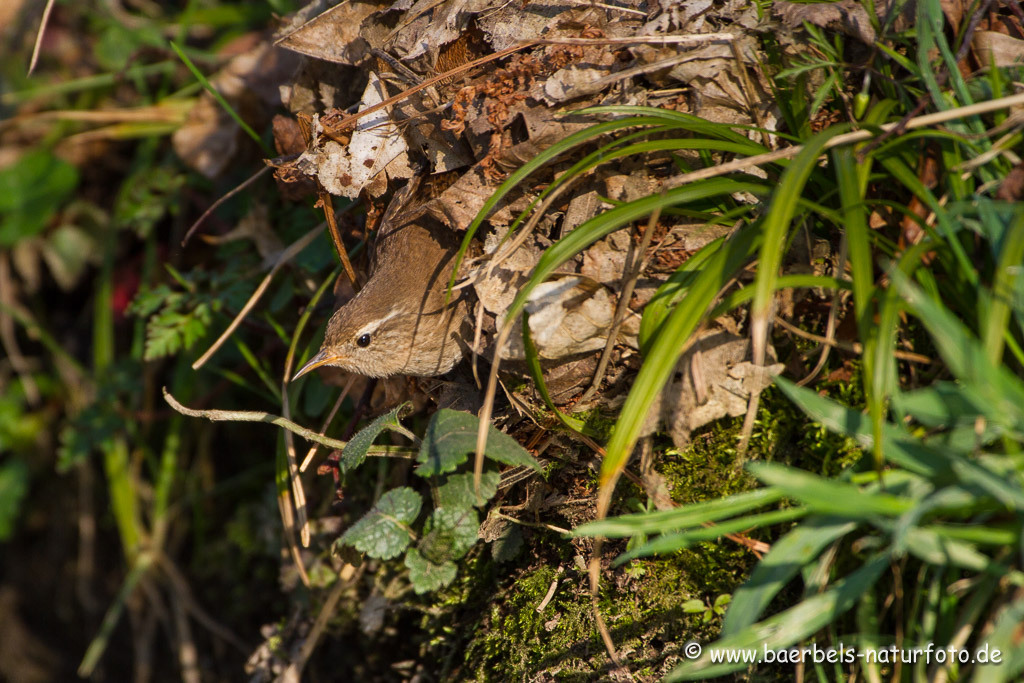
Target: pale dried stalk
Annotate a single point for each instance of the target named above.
(846, 139)
(287, 255)
(267, 418)
(330, 417)
(631, 274)
(213, 207)
(39, 36)
(696, 39)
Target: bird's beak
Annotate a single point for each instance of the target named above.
(316, 361)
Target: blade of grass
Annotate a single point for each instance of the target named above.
(691, 515)
(789, 627)
(788, 555)
(99, 644)
(996, 319)
(666, 348)
(220, 99)
(670, 543)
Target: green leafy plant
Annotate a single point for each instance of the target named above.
(451, 529)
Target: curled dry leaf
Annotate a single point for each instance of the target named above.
(332, 35)
(376, 146)
(713, 379)
(998, 49)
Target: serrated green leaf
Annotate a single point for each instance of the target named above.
(148, 301)
(383, 532)
(449, 534)
(451, 437)
(426, 576)
(353, 455)
(458, 491)
(507, 546)
(172, 330)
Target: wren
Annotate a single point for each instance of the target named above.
(399, 323)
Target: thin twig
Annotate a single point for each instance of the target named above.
(277, 420)
(631, 274)
(602, 5)
(344, 580)
(534, 525)
(330, 417)
(302, 518)
(348, 121)
(9, 339)
(538, 213)
(833, 315)
(844, 139)
(184, 595)
(551, 593)
(855, 347)
(594, 570)
(286, 256)
(39, 36)
(696, 39)
(749, 93)
(213, 207)
(332, 225)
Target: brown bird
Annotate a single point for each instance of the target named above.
(398, 323)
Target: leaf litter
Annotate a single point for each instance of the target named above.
(380, 96)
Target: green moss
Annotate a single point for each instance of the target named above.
(485, 626)
(518, 642)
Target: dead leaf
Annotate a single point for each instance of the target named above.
(333, 35)
(713, 379)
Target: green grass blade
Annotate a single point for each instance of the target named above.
(520, 174)
(670, 543)
(220, 99)
(897, 444)
(789, 627)
(99, 644)
(993, 388)
(537, 373)
(796, 549)
(1004, 287)
(827, 496)
(666, 348)
(776, 226)
(680, 518)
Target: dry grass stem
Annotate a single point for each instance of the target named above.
(856, 347)
(268, 418)
(213, 207)
(39, 36)
(330, 418)
(286, 256)
(846, 139)
(632, 269)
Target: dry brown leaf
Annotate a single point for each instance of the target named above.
(333, 35)
(999, 49)
(713, 379)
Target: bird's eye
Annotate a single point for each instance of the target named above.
(364, 340)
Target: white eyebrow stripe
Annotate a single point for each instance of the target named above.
(371, 327)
